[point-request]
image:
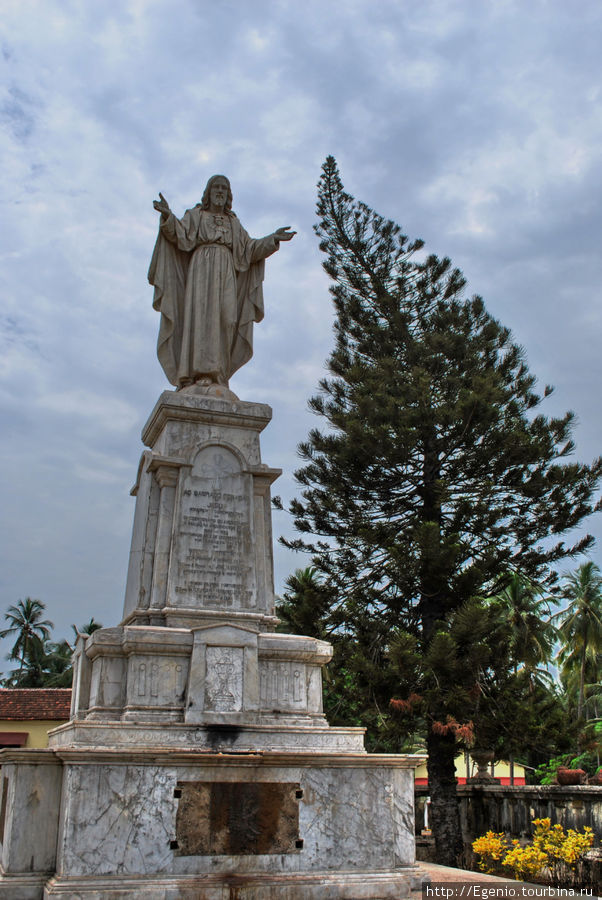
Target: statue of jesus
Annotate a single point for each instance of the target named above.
(207, 274)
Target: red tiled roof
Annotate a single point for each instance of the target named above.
(28, 704)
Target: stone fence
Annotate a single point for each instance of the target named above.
(512, 808)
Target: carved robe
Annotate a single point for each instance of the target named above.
(207, 274)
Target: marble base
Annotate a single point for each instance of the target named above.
(219, 737)
(117, 830)
(198, 762)
(21, 886)
(221, 673)
(317, 886)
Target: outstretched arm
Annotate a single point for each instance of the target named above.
(283, 234)
(181, 232)
(162, 206)
(257, 249)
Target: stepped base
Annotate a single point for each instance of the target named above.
(317, 886)
(219, 737)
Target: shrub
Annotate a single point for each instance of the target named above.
(551, 848)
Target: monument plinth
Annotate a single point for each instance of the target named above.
(203, 504)
(198, 762)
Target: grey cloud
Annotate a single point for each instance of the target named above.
(476, 126)
(17, 113)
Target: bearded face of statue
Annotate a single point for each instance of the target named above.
(218, 195)
(212, 196)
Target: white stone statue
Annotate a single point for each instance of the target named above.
(207, 274)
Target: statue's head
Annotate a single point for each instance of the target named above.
(206, 201)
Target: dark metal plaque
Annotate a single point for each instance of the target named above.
(3, 808)
(236, 818)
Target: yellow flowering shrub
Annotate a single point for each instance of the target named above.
(551, 848)
(525, 862)
(491, 847)
(567, 847)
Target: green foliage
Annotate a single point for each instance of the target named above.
(531, 634)
(89, 628)
(582, 748)
(42, 662)
(580, 627)
(436, 477)
(305, 603)
(29, 629)
(359, 681)
(469, 679)
(545, 773)
(57, 670)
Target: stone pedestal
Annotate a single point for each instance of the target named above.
(198, 762)
(202, 542)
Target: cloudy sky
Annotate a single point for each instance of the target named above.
(476, 124)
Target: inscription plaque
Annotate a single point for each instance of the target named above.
(237, 818)
(213, 564)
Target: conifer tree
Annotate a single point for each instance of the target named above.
(436, 475)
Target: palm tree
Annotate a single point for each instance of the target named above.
(531, 633)
(580, 625)
(48, 665)
(57, 664)
(89, 628)
(30, 629)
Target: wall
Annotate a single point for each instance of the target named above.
(37, 731)
(512, 809)
(466, 768)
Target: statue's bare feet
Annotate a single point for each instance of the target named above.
(206, 386)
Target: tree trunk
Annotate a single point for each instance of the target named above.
(441, 749)
(445, 812)
(581, 701)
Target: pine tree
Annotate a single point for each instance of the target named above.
(472, 683)
(359, 681)
(305, 604)
(436, 475)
